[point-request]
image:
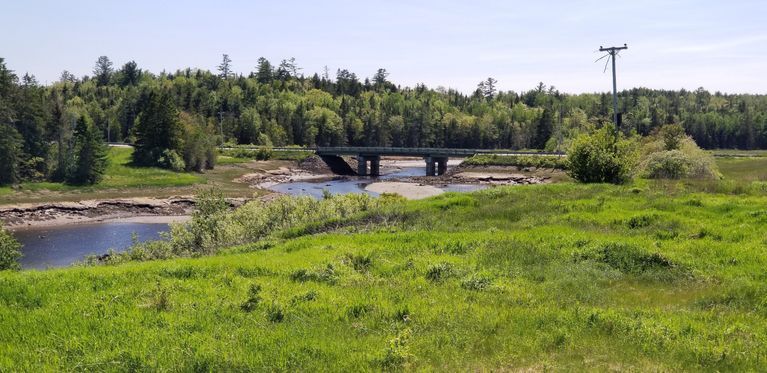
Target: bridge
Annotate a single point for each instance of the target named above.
(369, 157)
(436, 158)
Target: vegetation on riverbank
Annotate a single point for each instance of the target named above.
(123, 180)
(537, 161)
(653, 275)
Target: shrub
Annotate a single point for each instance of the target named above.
(603, 156)
(686, 161)
(171, 160)
(10, 251)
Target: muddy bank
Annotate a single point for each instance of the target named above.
(130, 210)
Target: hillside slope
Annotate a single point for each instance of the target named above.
(567, 276)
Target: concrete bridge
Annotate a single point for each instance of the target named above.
(369, 158)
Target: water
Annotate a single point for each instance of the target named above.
(353, 184)
(61, 246)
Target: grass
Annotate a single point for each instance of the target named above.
(119, 174)
(744, 169)
(546, 277)
(520, 161)
(650, 276)
(122, 180)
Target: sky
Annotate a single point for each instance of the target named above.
(718, 45)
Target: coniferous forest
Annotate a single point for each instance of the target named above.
(175, 119)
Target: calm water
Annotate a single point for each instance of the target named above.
(62, 246)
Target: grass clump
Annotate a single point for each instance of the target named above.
(326, 275)
(254, 298)
(627, 258)
(440, 271)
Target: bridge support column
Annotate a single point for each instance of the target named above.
(430, 169)
(362, 165)
(441, 165)
(375, 165)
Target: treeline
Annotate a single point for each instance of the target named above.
(59, 132)
(279, 105)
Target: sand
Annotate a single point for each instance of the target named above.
(407, 190)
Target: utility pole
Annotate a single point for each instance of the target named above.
(611, 53)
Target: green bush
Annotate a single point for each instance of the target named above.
(667, 156)
(604, 156)
(10, 251)
(171, 160)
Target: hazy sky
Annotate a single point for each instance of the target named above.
(719, 45)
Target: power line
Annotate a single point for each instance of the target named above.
(611, 53)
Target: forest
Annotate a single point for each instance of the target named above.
(175, 119)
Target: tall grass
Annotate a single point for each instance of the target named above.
(561, 277)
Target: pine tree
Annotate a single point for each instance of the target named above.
(90, 154)
(544, 129)
(10, 152)
(225, 68)
(103, 70)
(264, 74)
(157, 130)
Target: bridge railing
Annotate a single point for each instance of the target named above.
(399, 150)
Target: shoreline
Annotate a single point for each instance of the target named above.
(134, 210)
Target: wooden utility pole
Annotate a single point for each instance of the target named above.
(612, 52)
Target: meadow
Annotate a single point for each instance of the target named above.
(123, 180)
(645, 276)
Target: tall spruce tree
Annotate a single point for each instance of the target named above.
(157, 129)
(90, 154)
(264, 74)
(103, 70)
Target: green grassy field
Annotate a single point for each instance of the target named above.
(122, 180)
(648, 276)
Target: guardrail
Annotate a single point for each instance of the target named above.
(398, 151)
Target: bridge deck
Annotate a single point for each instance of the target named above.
(405, 152)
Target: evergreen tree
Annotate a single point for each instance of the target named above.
(90, 154)
(102, 72)
(225, 68)
(157, 129)
(130, 74)
(264, 74)
(10, 154)
(544, 129)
